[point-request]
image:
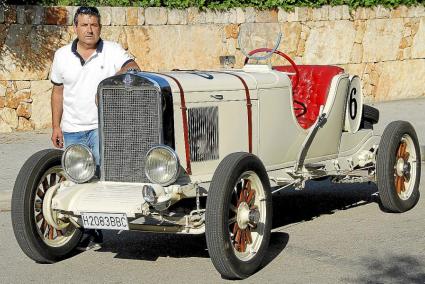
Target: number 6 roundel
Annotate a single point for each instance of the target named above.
(354, 107)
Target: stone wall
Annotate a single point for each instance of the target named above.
(385, 47)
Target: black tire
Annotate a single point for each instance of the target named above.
(388, 167)
(370, 114)
(27, 233)
(222, 250)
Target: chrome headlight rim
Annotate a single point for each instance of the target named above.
(175, 157)
(67, 175)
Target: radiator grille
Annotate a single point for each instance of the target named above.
(203, 133)
(130, 126)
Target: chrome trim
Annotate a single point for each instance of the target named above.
(64, 168)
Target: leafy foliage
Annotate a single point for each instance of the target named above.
(226, 4)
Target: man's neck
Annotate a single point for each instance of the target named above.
(83, 47)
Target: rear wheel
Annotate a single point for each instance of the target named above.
(398, 167)
(37, 239)
(238, 216)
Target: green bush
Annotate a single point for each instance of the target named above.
(226, 4)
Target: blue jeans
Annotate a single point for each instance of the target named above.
(90, 138)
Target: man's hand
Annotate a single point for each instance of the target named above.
(57, 137)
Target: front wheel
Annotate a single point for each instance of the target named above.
(37, 239)
(398, 167)
(238, 216)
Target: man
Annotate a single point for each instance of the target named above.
(77, 70)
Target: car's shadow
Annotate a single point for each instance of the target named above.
(290, 206)
(319, 198)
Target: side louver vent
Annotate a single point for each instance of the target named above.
(203, 133)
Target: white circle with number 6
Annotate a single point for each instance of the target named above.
(354, 108)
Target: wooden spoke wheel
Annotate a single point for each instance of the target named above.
(51, 236)
(37, 238)
(398, 167)
(238, 216)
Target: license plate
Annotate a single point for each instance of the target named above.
(110, 221)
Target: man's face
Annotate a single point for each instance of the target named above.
(88, 29)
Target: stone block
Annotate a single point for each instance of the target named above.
(118, 16)
(3, 87)
(240, 16)
(266, 16)
(195, 17)
(132, 16)
(24, 110)
(9, 116)
(1, 14)
(70, 15)
(293, 16)
(399, 12)
(13, 100)
(20, 15)
(335, 13)
(177, 17)
(418, 44)
(105, 16)
(180, 50)
(382, 12)
(10, 14)
(141, 15)
(41, 111)
(20, 85)
(231, 31)
(29, 51)
(416, 11)
(156, 16)
(357, 53)
(321, 14)
(361, 13)
(24, 124)
(346, 12)
(250, 14)
(2, 102)
(382, 39)
(330, 43)
(282, 15)
(223, 17)
(39, 15)
(55, 16)
(4, 127)
(404, 83)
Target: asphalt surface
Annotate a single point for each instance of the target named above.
(325, 234)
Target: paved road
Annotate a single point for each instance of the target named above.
(326, 234)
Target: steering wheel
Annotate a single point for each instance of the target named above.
(296, 77)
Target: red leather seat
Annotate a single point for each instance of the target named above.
(312, 89)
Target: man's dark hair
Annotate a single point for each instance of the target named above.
(84, 10)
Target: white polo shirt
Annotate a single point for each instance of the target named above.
(80, 80)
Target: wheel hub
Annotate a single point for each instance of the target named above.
(402, 167)
(247, 216)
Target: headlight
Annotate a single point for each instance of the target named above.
(78, 163)
(162, 165)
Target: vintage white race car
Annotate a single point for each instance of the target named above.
(199, 152)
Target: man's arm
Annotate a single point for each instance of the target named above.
(129, 65)
(57, 109)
